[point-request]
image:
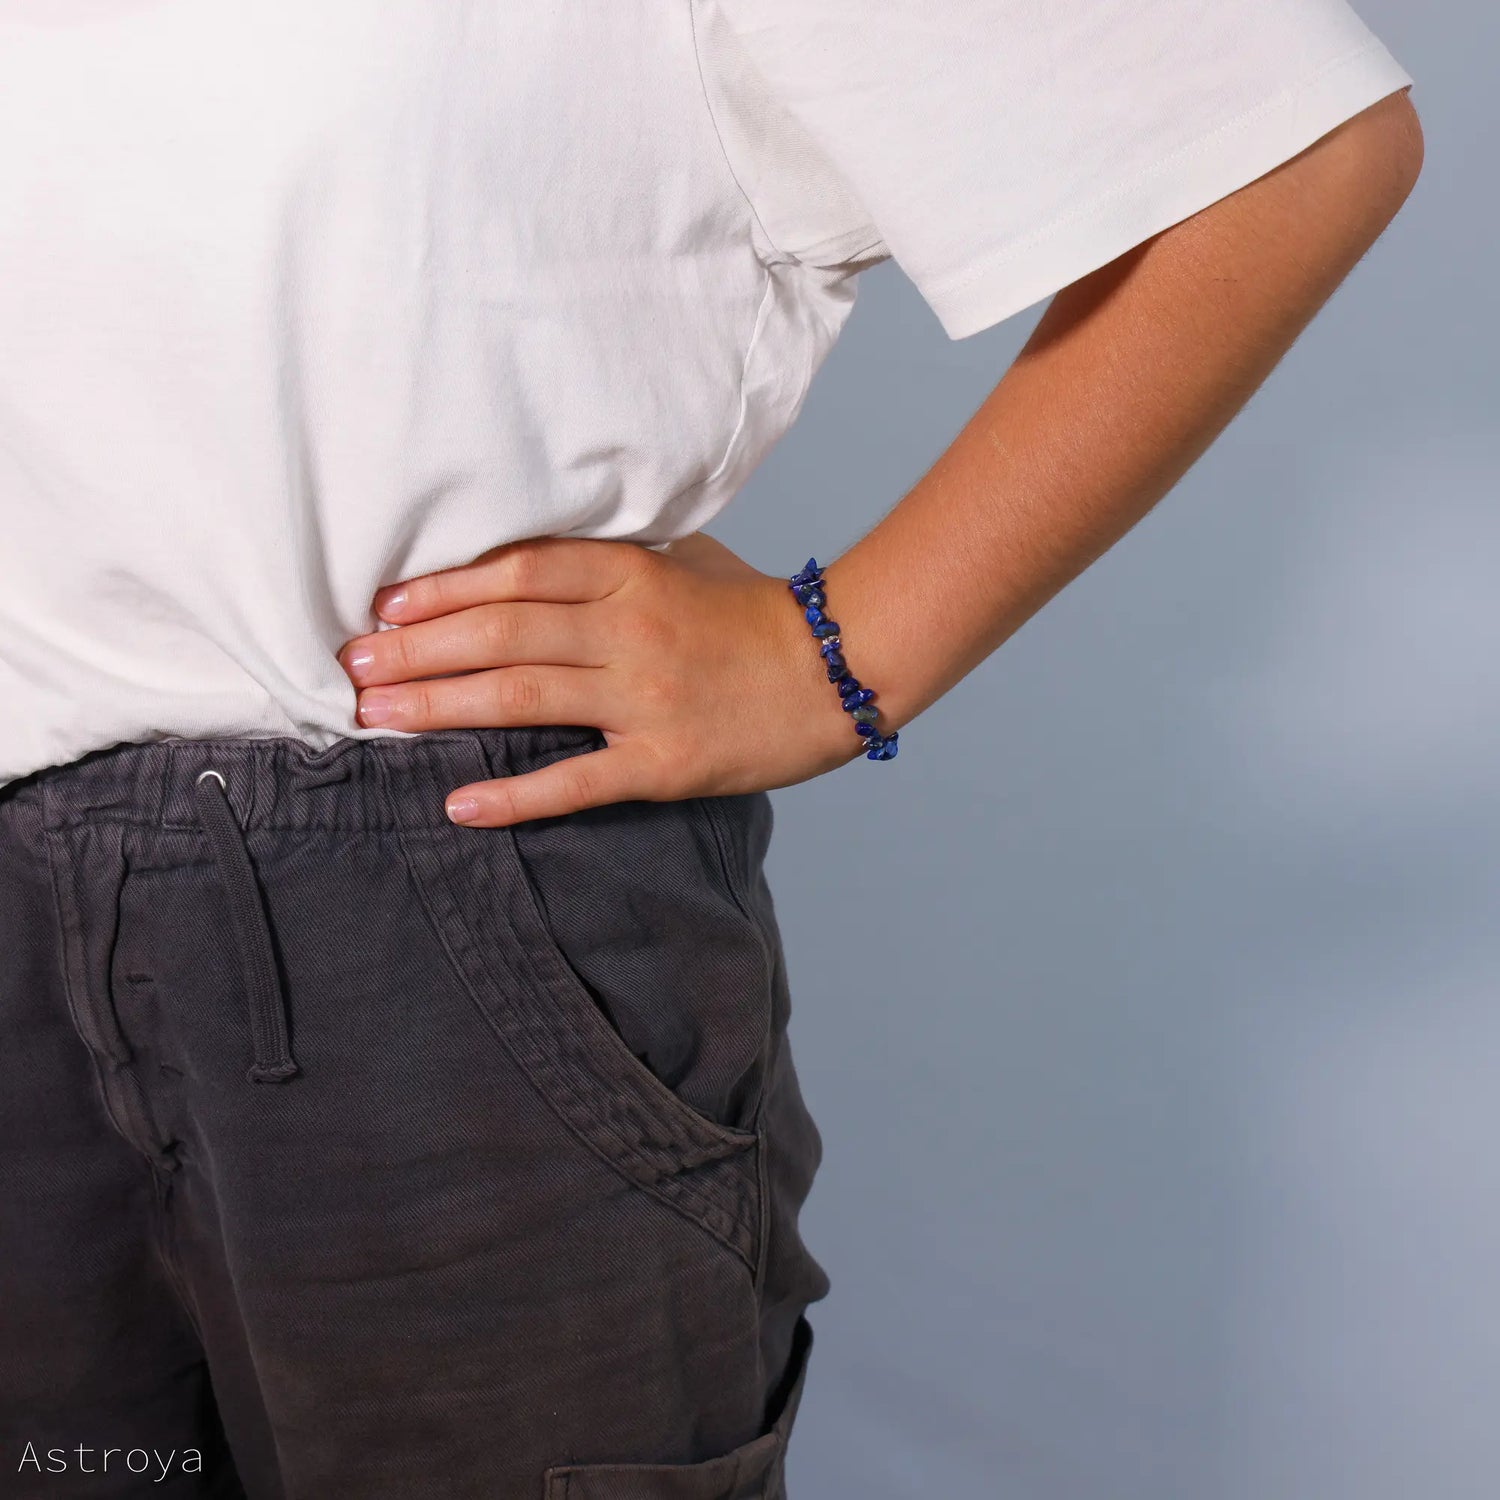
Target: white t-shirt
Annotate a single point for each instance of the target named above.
(301, 297)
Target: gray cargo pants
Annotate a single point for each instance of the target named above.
(365, 1157)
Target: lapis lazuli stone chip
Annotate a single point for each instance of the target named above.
(808, 590)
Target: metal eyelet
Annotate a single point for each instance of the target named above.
(204, 775)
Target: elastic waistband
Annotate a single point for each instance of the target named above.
(280, 782)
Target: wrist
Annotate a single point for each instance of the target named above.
(871, 727)
(870, 632)
(809, 704)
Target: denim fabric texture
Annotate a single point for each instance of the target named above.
(368, 1156)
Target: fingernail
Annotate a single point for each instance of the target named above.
(376, 707)
(390, 601)
(357, 661)
(463, 809)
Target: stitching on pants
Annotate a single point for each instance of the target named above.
(653, 1170)
(655, 1166)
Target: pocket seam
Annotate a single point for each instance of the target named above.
(734, 876)
(774, 1441)
(736, 1229)
(737, 878)
(564, 978)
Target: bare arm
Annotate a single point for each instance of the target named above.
(699, 669)
(1129, 376)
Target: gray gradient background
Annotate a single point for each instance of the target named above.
(1148, 1002)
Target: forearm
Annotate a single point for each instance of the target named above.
(1127, 379)
(1131, 373)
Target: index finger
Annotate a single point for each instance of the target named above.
(558, 570)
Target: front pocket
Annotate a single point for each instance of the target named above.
(485, 910)
(756, 1471)
(637, 909)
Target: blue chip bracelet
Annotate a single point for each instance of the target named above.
(808, 590)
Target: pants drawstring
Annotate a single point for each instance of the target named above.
(247, 910)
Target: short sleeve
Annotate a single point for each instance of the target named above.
(1000, 149)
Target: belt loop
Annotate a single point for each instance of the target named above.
(247, 910)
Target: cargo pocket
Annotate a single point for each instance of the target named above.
(756, 1471)
(609, 954)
